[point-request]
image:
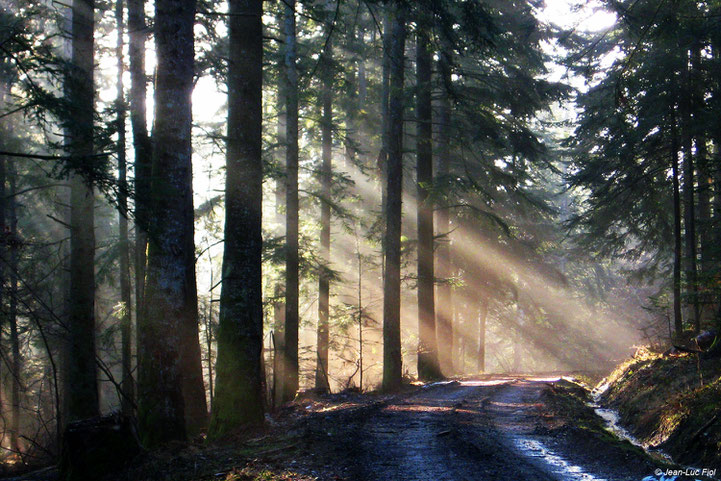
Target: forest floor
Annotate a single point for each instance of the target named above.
(670, 401)
(489, 428)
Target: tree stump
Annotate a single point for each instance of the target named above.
(95, 447)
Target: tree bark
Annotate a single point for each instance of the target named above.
(689, 204)
(392, 361)
(704, 204)
(137, 33)
(677, 315)
(444, 299)
(142, 162)
(13, 313)
(4, 134)
(196, 403)
(360, 314)
(170, 281)
(279, 305)
(239, 382)
(290, 386)
(428, 367)
(127, 384)
(705, 182)
(351, 100)
(482, 318)
(81, 388)
(326, 172)
(383, 154)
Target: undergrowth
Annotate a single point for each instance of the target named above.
(671, 402)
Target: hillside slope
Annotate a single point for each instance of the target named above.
(670, 402)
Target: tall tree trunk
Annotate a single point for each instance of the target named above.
(359, 256)
(326, 172)
(142, 162)
(351, 100)
(444, 300)
(196, 403)
(279, 292)
(689, 204)
(686, 100)
(239, 384)
(290, 386)
(127, 385)
(137, 33)
(4, 135)
(385, 115)
(715, 231)
(482, 318)
(392, 361)
(209, 338)
(677, 315)
(81, 387)
(13, 313)
(170, 282)
(359, 38)
(428, 367)
(705, 183)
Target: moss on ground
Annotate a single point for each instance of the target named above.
(569, 402)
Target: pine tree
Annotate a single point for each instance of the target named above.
(394, 180)
(428, 367)
(290, 348)
(326, 179)
(239, 387)
(81, 388)
(169, 295)
(137, 33)
(127, 383)
(444, 300)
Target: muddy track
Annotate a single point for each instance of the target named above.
(482, 430)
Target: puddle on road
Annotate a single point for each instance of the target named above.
(437, 383)
(490, 382)
(558, 466)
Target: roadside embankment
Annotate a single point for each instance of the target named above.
(671, 403)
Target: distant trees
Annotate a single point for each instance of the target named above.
(444, 199)
(641, 150)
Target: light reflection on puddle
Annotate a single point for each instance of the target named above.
(491, 382)
(559, 466)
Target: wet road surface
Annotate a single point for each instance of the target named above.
(482, 430)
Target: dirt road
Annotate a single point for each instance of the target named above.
(495, 429)
(481, 430)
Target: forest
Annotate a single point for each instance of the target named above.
(238, 235)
